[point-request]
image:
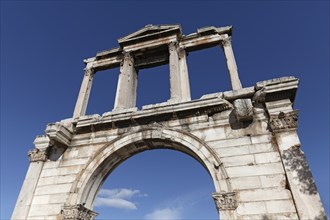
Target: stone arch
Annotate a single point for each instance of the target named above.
(107, 158)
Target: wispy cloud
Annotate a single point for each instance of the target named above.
(118, 198)
(174, 208)
(166, 213)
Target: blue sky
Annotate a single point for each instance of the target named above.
(42, 48)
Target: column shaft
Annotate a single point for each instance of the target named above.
(85, 89)
(185, 86)
(127, 84)
(231, 64)
(175, 82)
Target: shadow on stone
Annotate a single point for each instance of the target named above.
(235, 124)
(295, 159)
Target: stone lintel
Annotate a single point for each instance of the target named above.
(225, 201)
(77, 212)
(284, 121)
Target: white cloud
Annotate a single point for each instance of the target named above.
(166, 213)
(118, 198)
(115, 203)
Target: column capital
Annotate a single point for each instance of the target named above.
(127, 57)
(225, 201)
(226, 42)
(36, 155)
(77, 212)
(172, 45)
(284, 121)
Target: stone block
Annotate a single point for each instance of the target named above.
(261, 148)
(41, 199)
(61, 171)
(241, 183)
(265, 138)
(57, 179)
(255, 170)
(270, 157)
(232, 151)
(251, 208)
(264, 194)
(238, 160)
(210, 134)
(53, 189)
(277, 180)
(230, 142)
(288, 139)
(44, 210)
(281, 206)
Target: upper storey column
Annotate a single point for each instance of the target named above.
(127, 84)
(85, 89)
(179, 81)
(185, 86)
(231, 63)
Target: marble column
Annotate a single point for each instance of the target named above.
(179, 80)
(185, 86)
(175, 86)
(231, 63)
(85, 89)
(127, 84)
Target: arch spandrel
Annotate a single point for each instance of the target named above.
(106, 159)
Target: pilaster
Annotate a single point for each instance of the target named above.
(37, 157)
(226, 204)
(284, 124)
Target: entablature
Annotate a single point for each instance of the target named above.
(149, 45)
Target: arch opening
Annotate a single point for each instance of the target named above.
(154, 183)
(111, 155)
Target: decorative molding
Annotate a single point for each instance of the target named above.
(225, 201)
(226, 42)
(36, 155)
(77, 212)
(284, 121)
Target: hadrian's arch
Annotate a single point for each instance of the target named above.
(245, 138)
(109, 157)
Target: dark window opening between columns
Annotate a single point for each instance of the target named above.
(103, 93)
(153, 85)
(208, 72)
